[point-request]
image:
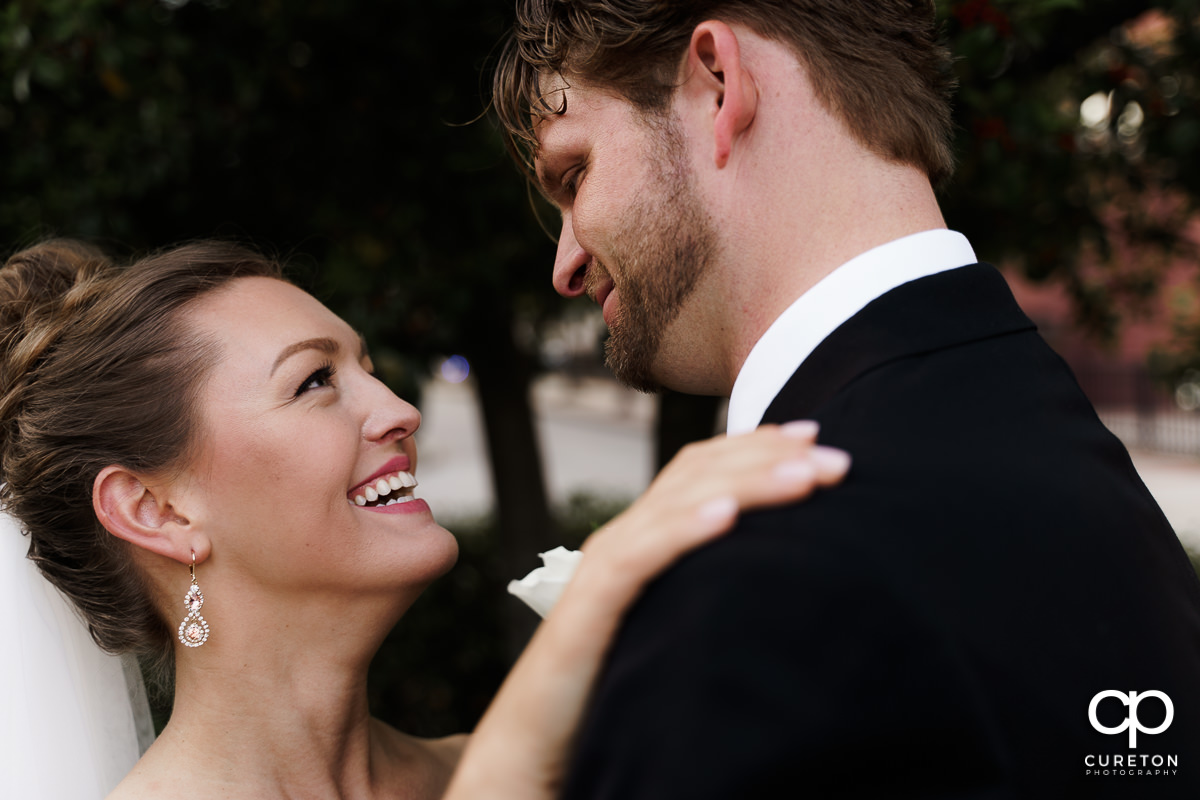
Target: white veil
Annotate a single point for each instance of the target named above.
(73, 719)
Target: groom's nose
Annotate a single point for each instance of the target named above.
(570, 263)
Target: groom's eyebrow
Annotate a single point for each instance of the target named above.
(324, 344)
(547, 179)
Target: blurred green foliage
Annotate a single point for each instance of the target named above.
(1103, 202)
(337, 130)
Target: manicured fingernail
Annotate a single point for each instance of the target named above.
(718, 509)
(801, 429)
(798, 471)
(830, 459)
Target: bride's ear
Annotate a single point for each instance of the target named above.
(132, 509)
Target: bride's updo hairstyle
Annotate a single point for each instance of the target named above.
(98, 368)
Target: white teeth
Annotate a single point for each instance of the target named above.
(385, 486)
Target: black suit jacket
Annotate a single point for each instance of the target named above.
(938, 625)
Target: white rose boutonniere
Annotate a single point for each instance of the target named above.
(541, 588)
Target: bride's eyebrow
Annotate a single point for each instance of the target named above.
(324, 344)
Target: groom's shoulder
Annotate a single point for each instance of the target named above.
(1015, 527)
(785, 568)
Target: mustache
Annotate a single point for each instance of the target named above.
(596, 276)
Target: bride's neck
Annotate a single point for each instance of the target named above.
(281, 705)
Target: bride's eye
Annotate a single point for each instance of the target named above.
(318, 379)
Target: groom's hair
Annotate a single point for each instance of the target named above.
(878, 65)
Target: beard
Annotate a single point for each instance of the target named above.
(668, 245)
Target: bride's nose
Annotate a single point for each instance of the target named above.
(390, 418)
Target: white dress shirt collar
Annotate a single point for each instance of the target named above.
(822, 309)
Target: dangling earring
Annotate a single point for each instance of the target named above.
(193, 631)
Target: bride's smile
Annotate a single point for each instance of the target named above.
(388, 487)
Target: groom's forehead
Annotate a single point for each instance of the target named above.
(568, 98)
(571, 108)
(550, 105)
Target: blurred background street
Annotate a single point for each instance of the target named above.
(1175, 483)
(596, 437)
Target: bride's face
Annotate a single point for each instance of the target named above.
(293, 430)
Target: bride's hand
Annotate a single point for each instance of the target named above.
(521, 746)
(694, 499)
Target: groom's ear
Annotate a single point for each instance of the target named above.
(139, 511)
(720, 87)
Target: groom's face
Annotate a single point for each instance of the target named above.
(634, 235)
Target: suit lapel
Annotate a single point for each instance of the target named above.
(931, 313)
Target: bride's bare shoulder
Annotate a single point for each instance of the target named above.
(143, 783)
(160, 772)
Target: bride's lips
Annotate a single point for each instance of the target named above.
(392, 481)
(414, 506)
(398, 464)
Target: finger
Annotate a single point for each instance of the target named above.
(769, 466)
(798, 473)
(831, 464)
(701, 496)
(785, 442)
(715, 459)
(805, 429)
(772, 476)
(774, 484)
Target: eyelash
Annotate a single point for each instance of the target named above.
(324, 374)
(570, 181)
